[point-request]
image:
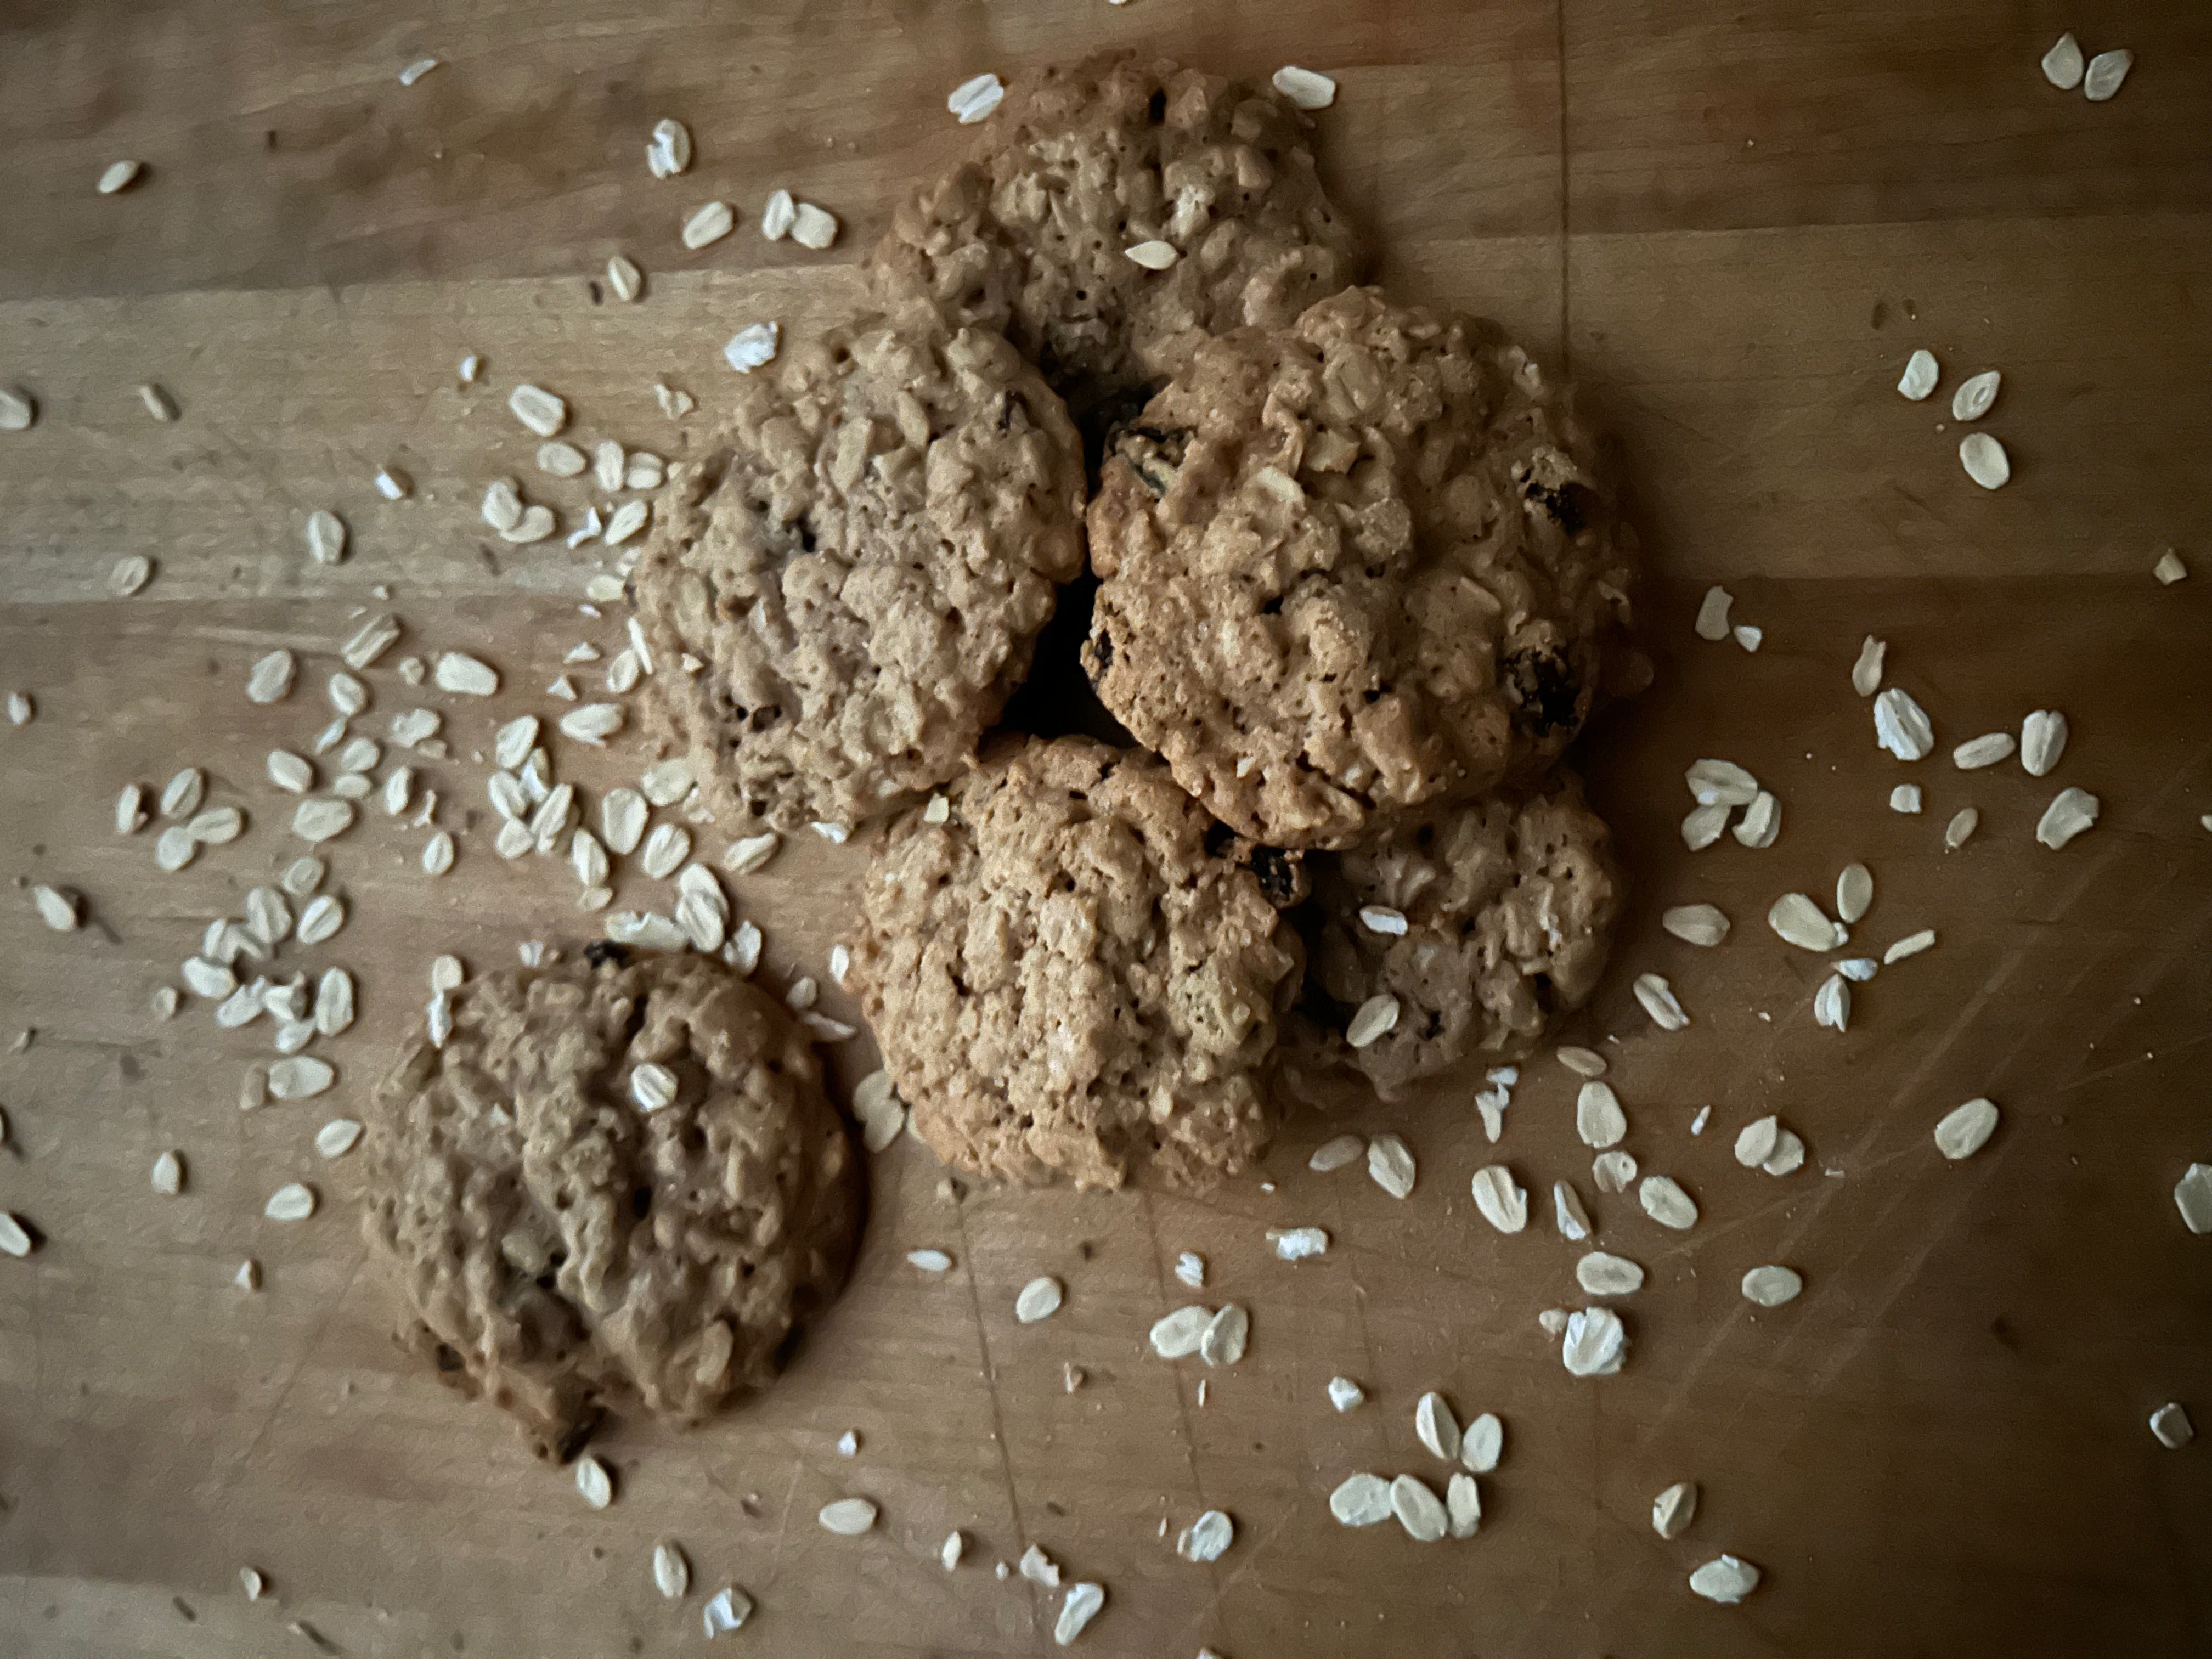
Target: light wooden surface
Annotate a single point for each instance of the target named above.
(1732, 224)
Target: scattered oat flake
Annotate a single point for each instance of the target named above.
(1771, 1286)
(293, 1202)
(2170, 1424)
(119, 175)
(1568, 1214)
(753, 346)
(1705, 825)
(2062, 64)
(1901, 725)
(1712, 621)
(1335, 1153)
(1724, 1579)
(1918, 380)
(848, 1518)
(1298, 1243)
(1435, 1426)
(1672, 1509)
(1601, 1274)
(669, 150)
(14, 1237)
(1177, 1335)
(1152, 255)
(1307, 88)
(1418, 1510)
(625, 278)
(812, 227)
(1695, 924)
(2169, 569)
(59, 908)
(2070, 813)
(1504, 1203)
(1598, 1120)
(1762, 821)
(1749, 635)
(1965, 1130)
(1854, 891)
(1666, 1203)
(1391, 1165)
(672, 1572)
(1361, 1500)
(953, 1549)
(975, 98)
(2192, 1196)
(592, 723)
(1711, 782)
(1595, 1343)
(1795, 919)
(538, 410)
(1226, 1335)
(1374, 1017)
(1975, 394)
(1985, 751)
(2042, 741)
(1344, 1393)
(2107, 70)
(593, 1482)
(158, 403)
(1866, 673)
(1482, 1443)
(1960, 829)
(17, 410)
(1582, 1063)
(1659, 1001)
(1986, 460)
(1039, 1299)
(1080, 1607)
(1910, 945)
(1208, 1538)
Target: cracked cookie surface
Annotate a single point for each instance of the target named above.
(1508, 904)
(560, 1246)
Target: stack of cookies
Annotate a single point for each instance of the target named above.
(1360, 581)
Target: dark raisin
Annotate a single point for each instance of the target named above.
(1565, 504)
(1543, 689)
(605, 953)
(1278, 873)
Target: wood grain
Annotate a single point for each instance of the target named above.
(1732, 228)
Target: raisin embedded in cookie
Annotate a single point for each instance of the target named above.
(1353, 569)
(1507, 906)
(1078, 165)
(1065, 983)
(860, 564)
(558, 1243)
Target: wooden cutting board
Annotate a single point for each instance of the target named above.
(1731, 226)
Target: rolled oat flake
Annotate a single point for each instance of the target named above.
(1724, 1579)
(1079, 1609)
(2070, 813)
(1222, 1344)
(1672, 1509)
(1039, 1299)
(1360, 1500)
(1418, 1510)
(1391, 1165)
(1965, 1130)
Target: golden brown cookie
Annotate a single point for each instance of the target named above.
(1065, 981)
(1078, 165)
(860, 564)
(559, 1243)
(1480, 926)
(1354, 570)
